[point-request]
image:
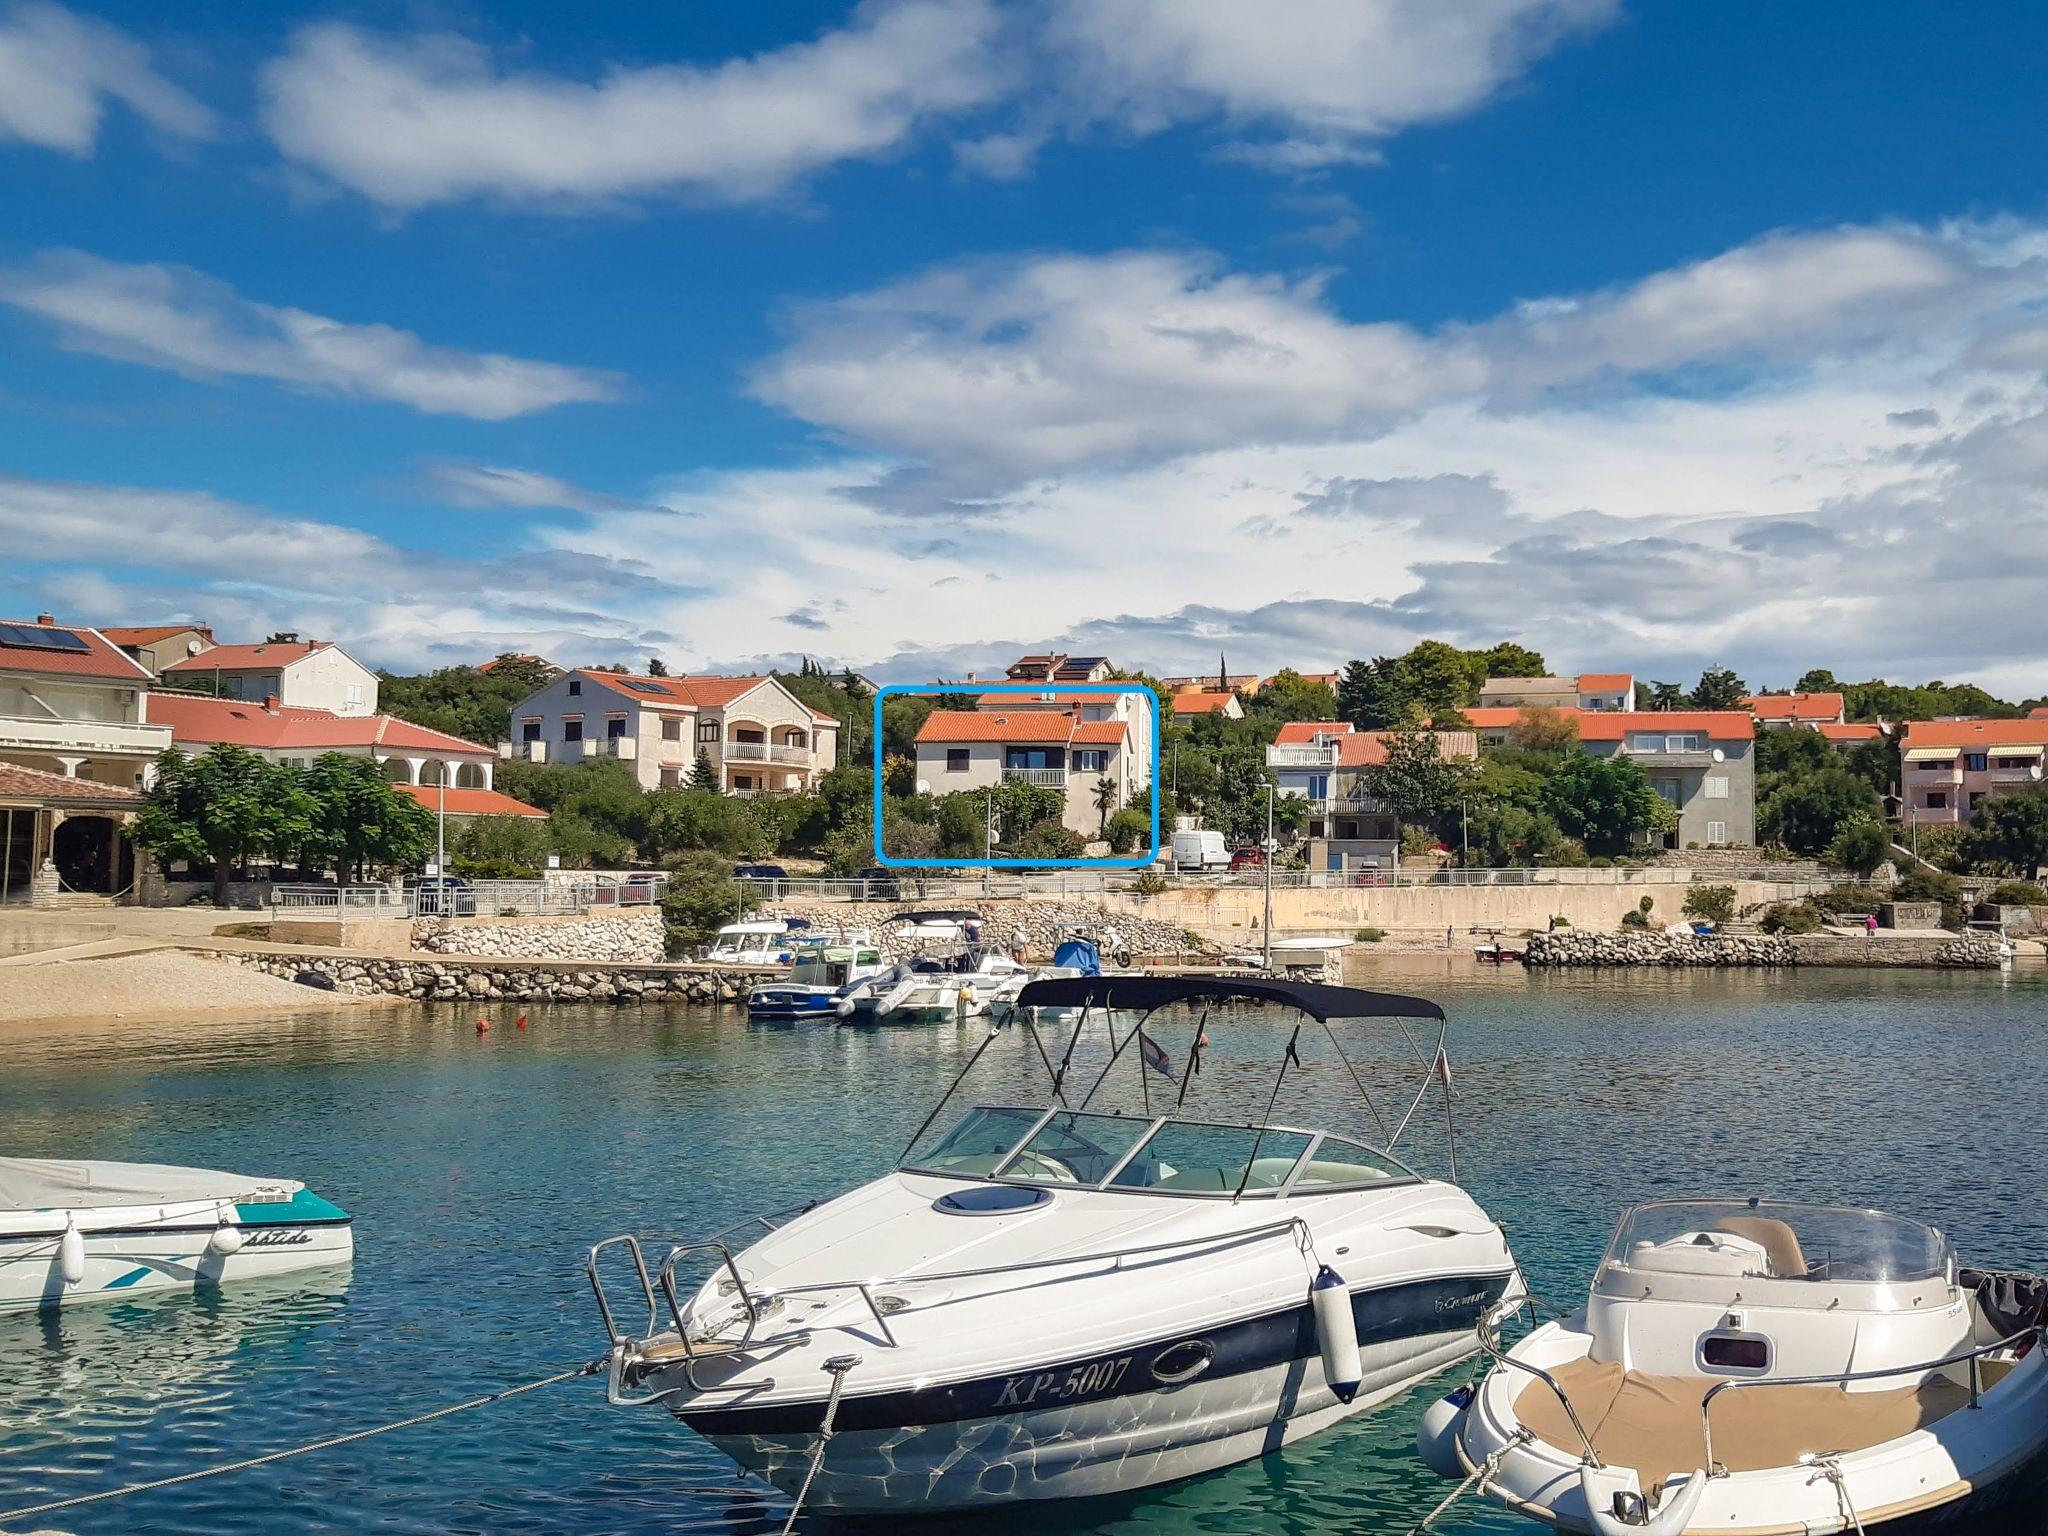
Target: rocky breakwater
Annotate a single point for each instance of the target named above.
(1575, 947)
(632, 938)
(464, 979)
(1044, 924)
(1648, 947)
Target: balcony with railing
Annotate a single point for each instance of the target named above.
(81, 738)
(2015, 773)
(767, 752)
(625, 747)
(1301, 757)
(1044, 778)
(524, 751)
(1937, 773)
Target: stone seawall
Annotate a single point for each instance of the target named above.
(1649, 948)
(1044, 924)
(632, 938)
(460, 979)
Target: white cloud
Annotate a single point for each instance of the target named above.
(1329, 75)
(58, 71)
(425, 119)
(176, 318)
(465, 484)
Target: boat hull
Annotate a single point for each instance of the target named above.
(148, 1256)
(1263, 1388)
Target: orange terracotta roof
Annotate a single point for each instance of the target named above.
(704, 691)
(1975, 733)
(1051, 698)
(1854, 731)
(1099, 733)
(470, 802)
(1505, 717)
(512, 660)
(1198, 703)
(1303, 733)
(1615, 724)
(149, 634)
(1795, 706)
(34, 784)
(198, 721)
(100, 658)
(1037, 726)
(249, 658)
(1601, 682)
(1368, 749)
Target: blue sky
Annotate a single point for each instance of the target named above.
(905, 334)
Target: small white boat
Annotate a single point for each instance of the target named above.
(821, 974)
(97, 1231)
(926, 986)
(1747, 1366)
(766, 943)
(1092, 1296)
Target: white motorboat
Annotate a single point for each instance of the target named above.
(768, 942)
(1747, 1366)
(1077, 1299)
(822, 973)
(927, 985)
(97, 1231)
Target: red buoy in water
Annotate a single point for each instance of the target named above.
(522, 1021)
(483, 1026)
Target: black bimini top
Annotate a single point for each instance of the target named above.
(950, 915)
(1144, 993)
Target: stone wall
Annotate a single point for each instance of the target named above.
(633, 938)
(1044, 924)
(455, 980)
(1641, 947)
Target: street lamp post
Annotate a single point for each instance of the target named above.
(1269, 876)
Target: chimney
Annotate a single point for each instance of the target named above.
(46, 619)
(270, 703)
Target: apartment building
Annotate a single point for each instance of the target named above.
(72, 703)
(1132, 708)
(1058, 667)
(303, 674)
(282, 733)
(1950, 766)
(1782, 711)
(963, 749)
(1587, 690)
(760, 738)
(1702, 761)
(1187, 706)
(1327, 763)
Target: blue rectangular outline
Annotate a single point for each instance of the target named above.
(1131, 861)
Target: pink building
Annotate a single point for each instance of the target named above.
(1951, 765)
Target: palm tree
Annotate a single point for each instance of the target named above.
(1105, 800)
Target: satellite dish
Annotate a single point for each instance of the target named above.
(1719, 756)
(924, 786)
(193, 647)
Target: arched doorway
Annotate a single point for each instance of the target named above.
(91, 855)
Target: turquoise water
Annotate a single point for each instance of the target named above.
(480, 1168)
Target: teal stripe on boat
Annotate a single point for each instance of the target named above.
(130, 1278)
(304, 1206)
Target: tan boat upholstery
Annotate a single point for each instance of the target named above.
(1652, 1423)
(1777, 1239)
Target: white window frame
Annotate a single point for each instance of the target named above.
(1717, 832)
(1714, 787)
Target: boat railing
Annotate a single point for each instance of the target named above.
(1973, 1356)
(1489, 1343)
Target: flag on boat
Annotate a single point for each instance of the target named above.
(1442, 1066)
(1155, 1055)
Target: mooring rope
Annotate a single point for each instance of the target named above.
(590, 1369)
(837, 1366)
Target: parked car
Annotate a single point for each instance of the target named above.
(882, 883)
(440, 896)
(1200, 848)
(1248, 858)
(759, 872)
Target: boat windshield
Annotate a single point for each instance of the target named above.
(1134, 1154)
(1780, 1240)
(830, 967)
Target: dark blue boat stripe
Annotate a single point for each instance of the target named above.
(1413, 1310)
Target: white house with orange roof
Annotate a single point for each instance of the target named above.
(760, 738)
(307, 674)
(72, 703)
(1781, 711)
(967, 749)
(1950, 766)
(1091, 704)
(1328, 763)
(282, 733)
(1586, 690)
(1194, 703)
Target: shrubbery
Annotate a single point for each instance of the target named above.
(1711, 903)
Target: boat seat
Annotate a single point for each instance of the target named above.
(666, 1347)
(1652, 1423)
(1777, 1239)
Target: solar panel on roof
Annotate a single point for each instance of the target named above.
(41, 637)
(640, 686)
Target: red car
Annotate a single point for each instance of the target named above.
(1247, 858)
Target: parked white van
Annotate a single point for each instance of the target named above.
(1200, 849)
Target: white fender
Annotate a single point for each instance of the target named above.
(1336, 1332)
(71, 1253)
(1436, 1438)
(226, 1239)
(1601, 1484)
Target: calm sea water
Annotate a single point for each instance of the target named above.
(480, 1168)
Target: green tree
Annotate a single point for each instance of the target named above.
(1714, 903)
(656, 667)
(1129, 830)
(1104, 797)
(1816, 680)
(701, 898)
(1511, 660)
(220, 809)
(1860, 845)
(1440, 679)
(1415, 781)
(702, 774)
(1719, 688)
(1806, 811)
(2009, 833)
(1602, 801)
(1662, 696)
(461, 701)
(1373, 695)
(1287, 695)
(358, 822)
(502, 847)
